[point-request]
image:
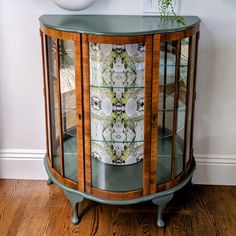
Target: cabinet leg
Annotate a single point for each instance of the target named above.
(49, 182)
(74, 199)
(191, 184)
(161, 202)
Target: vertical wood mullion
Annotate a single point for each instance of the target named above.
(147, 114)
(187, 101)
(155, 98)
(164, 90)
(175, 115)
(79, 112)
(59, 108)
(194, 92)
(87, 124)
(49, 102)
(44, 89)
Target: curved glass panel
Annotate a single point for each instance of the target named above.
(183, 99)
(68, 108)
(191, 101)
(167, 127)
(117, 115)
(53, 100)
(165, 110)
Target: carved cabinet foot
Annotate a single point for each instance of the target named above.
(161, 202)
(49, 181)
(74, 199)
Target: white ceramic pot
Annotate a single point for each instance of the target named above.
(73, 5)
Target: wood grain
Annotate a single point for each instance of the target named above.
(58, 34)
(117, 195)
(44, 88)
(147, 114)
(154, 120)
(79, 111)
(34, 208)
(116, 39)
(165, 37)
(67, 182)
(87, 124)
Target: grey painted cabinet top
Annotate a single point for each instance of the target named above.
(115, 25)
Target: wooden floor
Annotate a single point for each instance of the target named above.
(33, 208)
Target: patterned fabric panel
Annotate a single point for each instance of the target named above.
(117, 102)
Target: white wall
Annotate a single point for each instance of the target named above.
(21, 97)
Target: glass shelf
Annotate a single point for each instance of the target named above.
(170, 65)
(103, 141)
(116, 87)
(169, 84)
(169, 134)
(181, 109)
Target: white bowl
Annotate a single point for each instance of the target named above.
(73, 5)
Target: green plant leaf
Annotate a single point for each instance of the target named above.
(166, 8)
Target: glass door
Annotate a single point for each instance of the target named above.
(118, 103)
(173, 71)
(64, 107)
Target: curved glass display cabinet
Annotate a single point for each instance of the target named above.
(119, 99)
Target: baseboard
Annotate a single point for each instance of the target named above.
(215, 169)
(28, 164)
(22, 164)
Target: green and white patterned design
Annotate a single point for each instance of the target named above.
(117, 102)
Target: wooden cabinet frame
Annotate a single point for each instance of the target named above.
(151, 94)
(147, 40)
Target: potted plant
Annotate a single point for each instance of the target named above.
(166, 8)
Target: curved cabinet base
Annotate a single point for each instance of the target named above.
(160, 199)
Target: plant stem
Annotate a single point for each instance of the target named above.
(167, 11)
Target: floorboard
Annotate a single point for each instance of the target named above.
(34, 208)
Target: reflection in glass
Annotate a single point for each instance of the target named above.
(167, 93)
(165, 111)
(181, 116)
(68, 108)
(53, 98)
(191, 100)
